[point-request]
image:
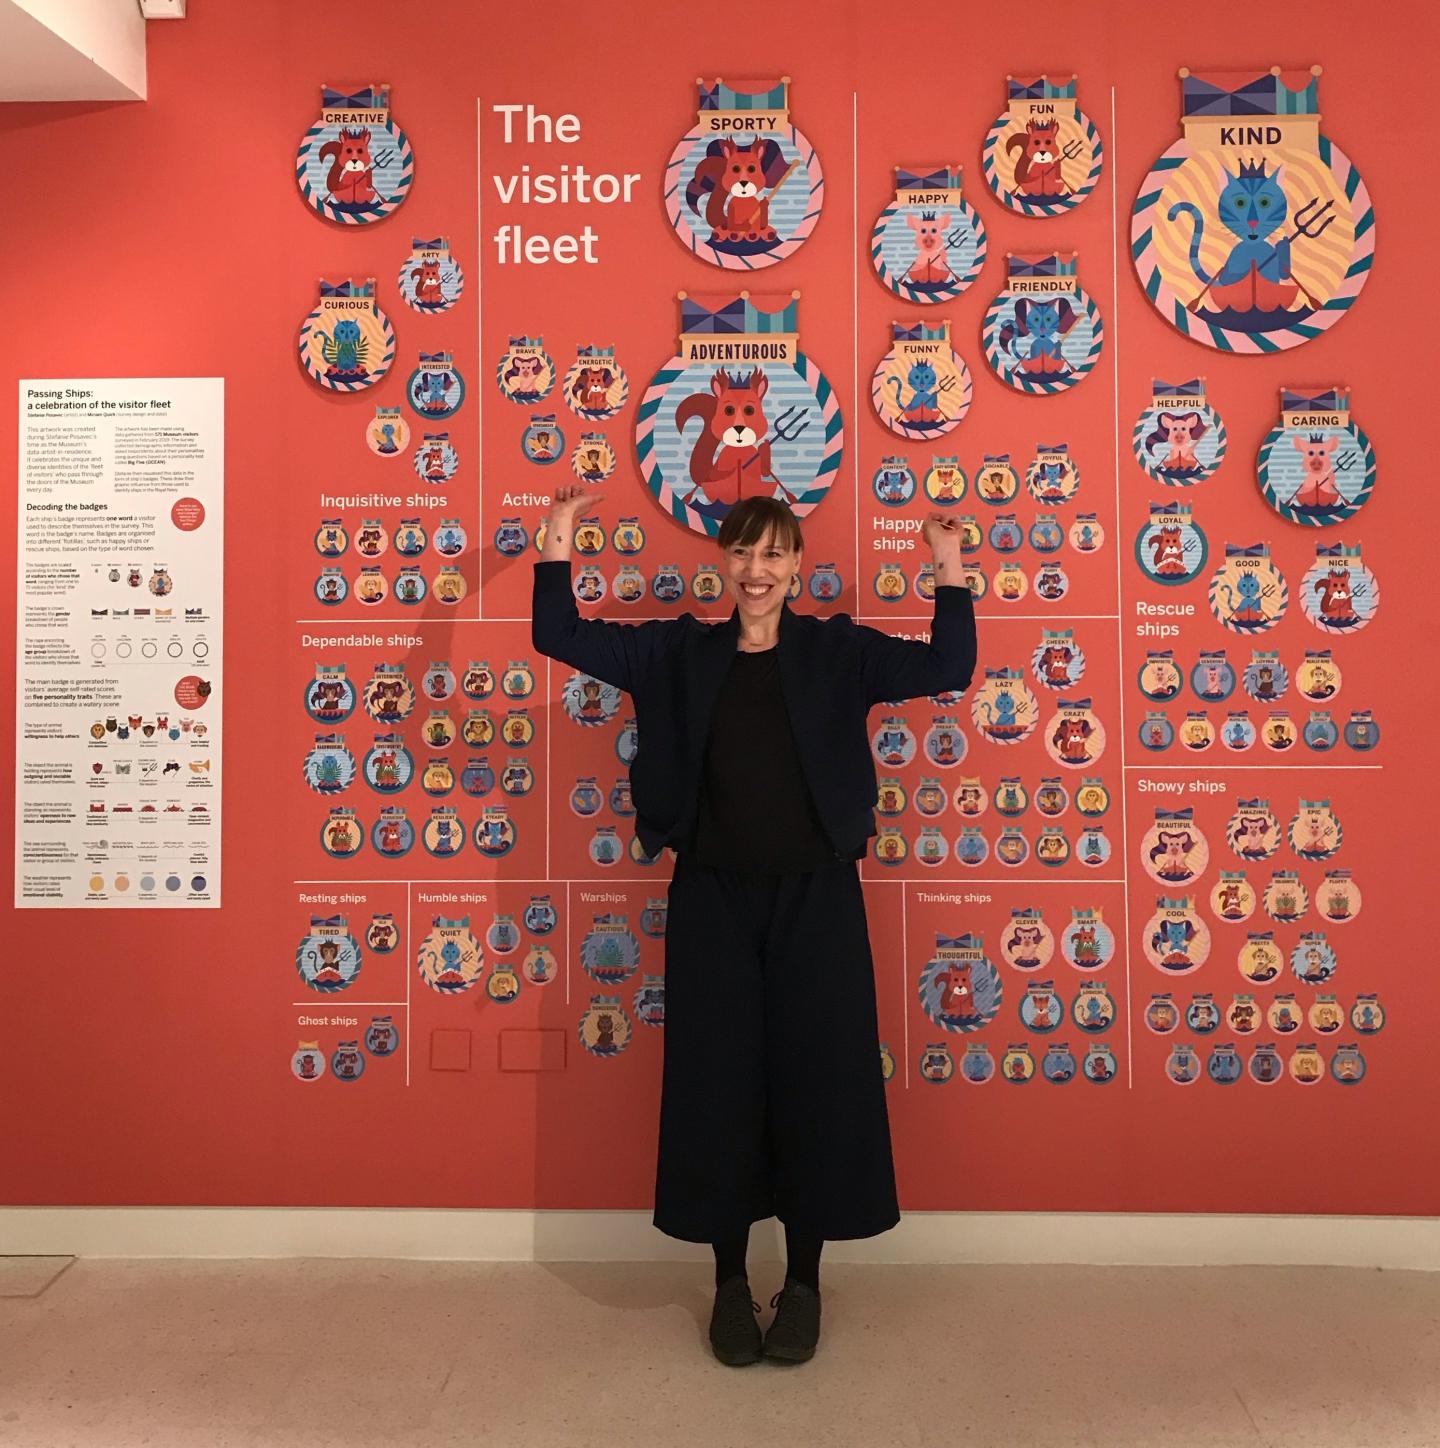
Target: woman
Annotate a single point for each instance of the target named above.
(754, 766)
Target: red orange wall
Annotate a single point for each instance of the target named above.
(146, 1057)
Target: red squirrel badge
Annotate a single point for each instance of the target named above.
(731, 457)
(351, 167)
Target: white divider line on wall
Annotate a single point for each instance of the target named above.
(1138, 1239)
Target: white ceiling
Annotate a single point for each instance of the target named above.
(71, 50)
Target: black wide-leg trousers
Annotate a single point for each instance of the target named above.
(773, 1098)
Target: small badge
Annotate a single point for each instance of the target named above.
(1259, 960)
(1003, 709)
(1307, 1065)
(1162, 1015)
(1043, 332)
(1058, 661)
(1179, 439)
(431, 279)
(1182, 1065)
(1028, 943)
(347, 1063)
(389, 695)
(444, 833)
(1057, 1066)
(307, 1064)
(922, 387)
(589, 701)
(1367, 1015)
(1017, 1065)
(1176, 939)
(388, 434)
(960, 990)
(937, 1065)
(331, 587)
(1054, 476)
(605, 1028)
(1074, 737)
(1248, 594)
(929, 243)
(593, 459)
(436, 460)
(328, 958)
(1087, 534)
(411, 537)
(330, 696)
(1313, 959)
(610, 952)
(382, 1038)
(1285, 899)
(1041, 1009)
(1171, 548)
(1315, 833)
(1043, 154)
(1093, 1010)
(1174, 850)
(329, 766)
(1253, 831)
(341, 835)
(743, 188)
(383, 934)
(347, 342)
(392, 834)
(1347, 1066)
(449, 956)
(595, 387)
(1232, 897)
(388, 766)
(435, 389)
(1316, 466)
(354, 165)
(495, 832)
(331, 539)
(1254, 233)
(1339, 594)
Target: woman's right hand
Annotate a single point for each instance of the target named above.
(571, 499)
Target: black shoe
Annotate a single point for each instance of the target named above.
(796, 1328)
(734, 1333)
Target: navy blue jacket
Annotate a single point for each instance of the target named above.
(832, 671)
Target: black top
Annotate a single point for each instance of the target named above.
(755, 811)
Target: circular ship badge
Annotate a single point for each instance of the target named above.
(922, 387)
(743, 188)
(1248, 594)
(1254, 232)
(1179, 439)
(739, 411)
(1043, 154)
(347, 342)
(595, 387)
(960, 989)
(1171, 548)
(1043, 332)
(929, 243)
(431, 279)
(328, 958)
(1339, 594)
(1316, 466)
(354, 165)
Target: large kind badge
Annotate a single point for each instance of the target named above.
(1042, 333)
(1042, 156)
(1254, 232)
(743, 187)
(347, 342)
(354, 164)
(1316, 466)
(929, 243)
(738, 412)
(922, 386)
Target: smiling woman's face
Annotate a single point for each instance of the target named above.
(757, 575)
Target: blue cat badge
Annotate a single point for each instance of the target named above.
(1043, 154)
(436, 389)
(1316, 466)
(743, 187)
(346, 343)
(354, 165)
(739, 411)
(1254, 233)
(1248, 594)
(922, 387)
(1043, 332)
(929, 243)
(1179, 439)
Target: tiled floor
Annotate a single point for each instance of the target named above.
(268, 1354)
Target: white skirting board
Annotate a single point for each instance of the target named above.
(1087, 1239)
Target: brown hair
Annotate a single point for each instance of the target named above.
(754, 518)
